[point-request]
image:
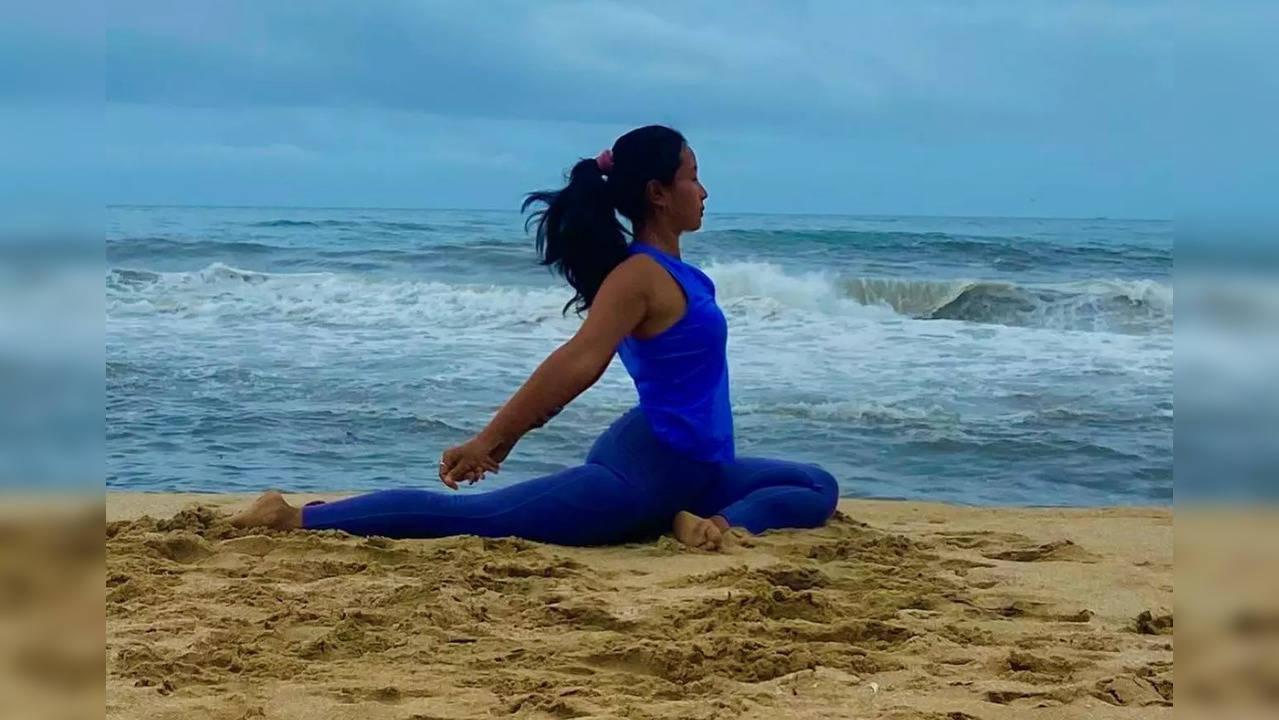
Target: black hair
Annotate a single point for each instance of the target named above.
(578, 233)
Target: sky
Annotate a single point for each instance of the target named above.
(1049, 109)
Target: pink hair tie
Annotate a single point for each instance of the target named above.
(604, 161)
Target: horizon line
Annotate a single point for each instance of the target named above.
(508, 210)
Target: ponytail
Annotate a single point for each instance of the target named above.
(578, 233)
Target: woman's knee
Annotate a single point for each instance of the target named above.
(826, 486)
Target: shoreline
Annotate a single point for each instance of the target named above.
(129, 504)
(894, 609)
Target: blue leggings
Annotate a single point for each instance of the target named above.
(630, 489)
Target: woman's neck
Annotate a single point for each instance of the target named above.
(665, 240)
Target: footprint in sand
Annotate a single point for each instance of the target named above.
(1059, 551)
(180, 547)
(258, 545)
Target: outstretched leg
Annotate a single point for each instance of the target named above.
(761, 494)
(631, 486)
(584, 505)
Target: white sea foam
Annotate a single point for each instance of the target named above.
(768, 288)
(748, 291)
(799, 336)
(227, 293)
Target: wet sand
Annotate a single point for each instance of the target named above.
(894, 610)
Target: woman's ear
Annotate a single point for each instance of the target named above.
(655, 194)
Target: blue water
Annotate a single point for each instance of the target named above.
(978, 360)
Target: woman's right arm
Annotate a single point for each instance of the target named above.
(619, 306)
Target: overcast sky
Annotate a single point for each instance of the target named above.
(954, 108)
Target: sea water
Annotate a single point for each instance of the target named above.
(978, 360)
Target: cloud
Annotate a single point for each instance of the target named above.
(832, 67)
(928, 107)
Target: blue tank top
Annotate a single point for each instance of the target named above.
(682, 373)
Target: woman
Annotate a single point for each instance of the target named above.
(666, 464)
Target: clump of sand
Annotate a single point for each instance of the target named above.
(908, 611)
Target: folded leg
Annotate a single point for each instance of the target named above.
(761, 494)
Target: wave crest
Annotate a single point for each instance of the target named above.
(751, 290)
(1127, 306)
(1131, 306)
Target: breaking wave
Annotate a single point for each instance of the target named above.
(1127, 306)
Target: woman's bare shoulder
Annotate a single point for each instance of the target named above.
(632, 275)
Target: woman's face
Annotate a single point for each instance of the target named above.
(683, 201)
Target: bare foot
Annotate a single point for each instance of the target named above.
(269, 511)
(699, 532)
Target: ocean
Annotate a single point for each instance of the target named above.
(974, 360)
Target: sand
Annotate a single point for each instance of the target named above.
(894, 610)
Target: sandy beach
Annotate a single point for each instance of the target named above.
(894, 610)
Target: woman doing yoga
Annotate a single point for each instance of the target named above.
(667, 464)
